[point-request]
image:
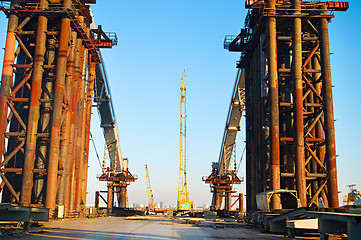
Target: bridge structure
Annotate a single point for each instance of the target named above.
(290, 133)
(53, 74)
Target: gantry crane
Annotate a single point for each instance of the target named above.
(183, 203)
(151, 205)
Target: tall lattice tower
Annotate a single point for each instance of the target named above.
(183, 202)
(151, 204)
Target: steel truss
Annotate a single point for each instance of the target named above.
(46, 99)
(290, 131)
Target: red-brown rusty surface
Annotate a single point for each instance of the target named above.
(290, 130)
(274, 129)
(7, 77)
(50, 101)
(31, 138)
(79, 125)
(298, 105)
(55, 131)
(329, 116)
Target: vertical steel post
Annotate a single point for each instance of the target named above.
(79, 122)
(298, 103)
(73, 124)
(110, 197)
(30, 149)
(274, 108)
(122, 200)
(96, 202)
(227, 200)
(7, 74)
(73, 67)
(53, 161)
(217, 205)
(240, 208)
(44, 124)
(66, 145)
(83, 168)
(249, 185)
(89, 104)
(329, 116)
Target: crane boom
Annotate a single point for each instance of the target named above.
(222, 177)
(151, 204)
(183, 203)
(233, 124)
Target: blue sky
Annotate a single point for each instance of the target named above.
(157, 40)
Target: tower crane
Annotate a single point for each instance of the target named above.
(183, 203)
(151, 204)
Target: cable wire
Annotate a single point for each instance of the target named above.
(239, 164)
(96, 151)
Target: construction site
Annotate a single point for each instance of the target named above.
(75, 138)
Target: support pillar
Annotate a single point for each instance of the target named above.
(89, 103)
(228, 200)
(329, 116)
(110, 197)
(73, 130)
(65, 145)
(30, 149)
(298, 104)
(96, 202)
(240, 202)
(122, 201)
(53, 161)
(7, 74)
(274, 106)
(217, 205)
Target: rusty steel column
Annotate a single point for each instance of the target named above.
(79, 121)
(228, 200)
(217, 205)
(73, 120)
(7, 74)
(298, 104)
(6, 84)
(45, 123)
(66, 145)
(329, 116)
(89, 104)
(83, 168)
(59, 87)
(274, 106)
(240, 207)
(31, 137)
(110, 197)
(122, 200)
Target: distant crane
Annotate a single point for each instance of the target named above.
(183, 203)
(151, 205)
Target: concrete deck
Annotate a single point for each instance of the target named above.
(160, 229)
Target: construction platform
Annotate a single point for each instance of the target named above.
(145, 228)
